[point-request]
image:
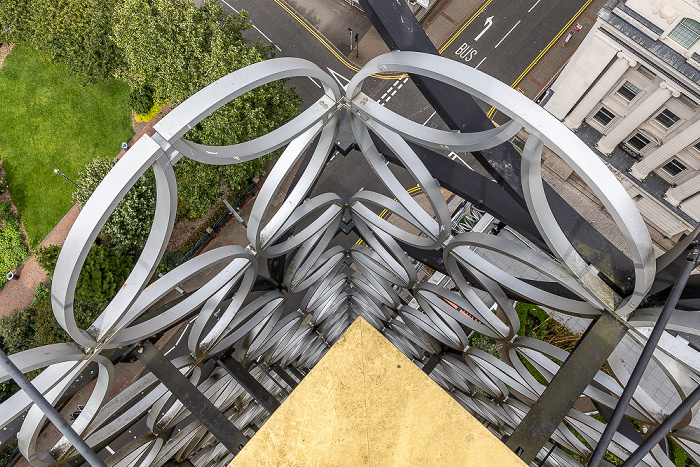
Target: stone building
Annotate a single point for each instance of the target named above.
(632, 91)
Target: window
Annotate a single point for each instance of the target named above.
(674, 167)
(686, 33)
(628, 91)
(603, 116)
(638, 142)
(667, 118)
(697, 146)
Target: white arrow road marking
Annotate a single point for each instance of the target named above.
(488, 24)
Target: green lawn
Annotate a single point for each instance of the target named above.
(52, 119)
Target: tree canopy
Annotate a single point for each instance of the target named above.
(177, 49)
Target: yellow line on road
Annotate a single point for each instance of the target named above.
(544, 51)
(410, 190)
(551, 43)
(328, 46)
(469, 21)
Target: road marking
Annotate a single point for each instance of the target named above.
(330, 48)
(431, 116)
(504, 37)
(551, 43)
(482, 61)
(469, 21)
(466, 52)
(387, 99)
(454, 156)
(314, 81)
(544, 51)
(533, 6)
(487, 24)
(339, 78)
(256, 28)
(181, 336)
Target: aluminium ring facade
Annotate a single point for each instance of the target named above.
(272, 329)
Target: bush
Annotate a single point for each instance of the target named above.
(12, 248)
(141, 99)
(170, 260)
(103, 273)
(488, 345)
(37, 326)
(14, 20)
(77, 33)
(130, 223)
(180, 49)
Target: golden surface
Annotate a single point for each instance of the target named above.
(366, 404)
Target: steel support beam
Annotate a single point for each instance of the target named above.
(400, 30)
(249, 384)
(285, 376)
(568, 384)
(431, 364)
(201, 407)
(298, 374)
(51, 413)
(644, 358)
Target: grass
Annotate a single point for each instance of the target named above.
(50, 119)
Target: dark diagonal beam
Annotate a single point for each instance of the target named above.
(201, 407)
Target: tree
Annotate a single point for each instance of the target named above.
(131, 220)
(178, 49)
(102, 275)
(77, 33)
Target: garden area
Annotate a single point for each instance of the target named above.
(78, 74)
(52, 119)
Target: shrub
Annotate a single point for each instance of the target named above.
(130, 223)
(103, 273)
(141, 99)
(77, 33)
(37, 326)
(181, 49)
(12, 248)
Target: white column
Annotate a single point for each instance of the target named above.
(663, 153)
(639, 115)
(588, 62)
(683, 191)
(599, 90)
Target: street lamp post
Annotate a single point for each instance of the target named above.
(58, 172)
(351, 37)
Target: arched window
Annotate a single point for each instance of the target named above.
(686, 33)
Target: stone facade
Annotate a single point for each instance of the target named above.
(635, 80)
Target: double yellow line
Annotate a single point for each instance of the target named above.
(330, 47)
(469, 21)
(544, 51)
(384, 212)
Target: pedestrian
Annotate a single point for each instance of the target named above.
(498, 227)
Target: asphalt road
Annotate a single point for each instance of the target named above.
(507, 36)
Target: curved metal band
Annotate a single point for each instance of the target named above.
(185, 116)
